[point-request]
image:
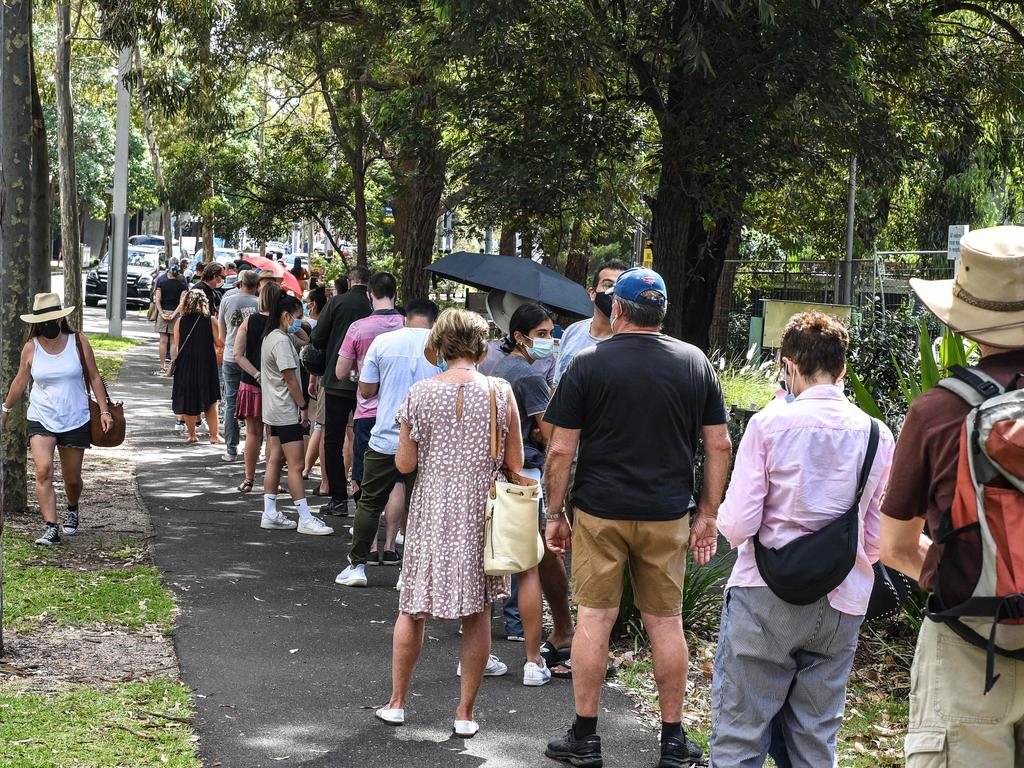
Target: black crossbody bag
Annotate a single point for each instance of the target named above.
(810, 567)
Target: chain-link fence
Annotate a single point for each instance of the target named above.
(881, 282)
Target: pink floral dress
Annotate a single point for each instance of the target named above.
(443, 565)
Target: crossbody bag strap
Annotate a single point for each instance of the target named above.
(869, 460)
(493, 397)
(189, 336)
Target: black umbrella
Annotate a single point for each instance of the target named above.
(524, 277)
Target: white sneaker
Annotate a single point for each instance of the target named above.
(353, 576)
(314, 526)
(398, 584)
(277, 522)
(399, 539)
(495, 667)
(465, 729)
(229, 457)
(536, 675)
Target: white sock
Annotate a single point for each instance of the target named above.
(270, 504)
(302, 507)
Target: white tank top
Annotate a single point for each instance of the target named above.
(58, 399)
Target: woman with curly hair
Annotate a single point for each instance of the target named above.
(196, 389)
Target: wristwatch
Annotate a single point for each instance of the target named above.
(551, 518)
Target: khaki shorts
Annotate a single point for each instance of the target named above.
(952, 721)
(654, 550)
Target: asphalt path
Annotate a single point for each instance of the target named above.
(286, 667)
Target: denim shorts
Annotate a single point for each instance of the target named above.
(79, 437)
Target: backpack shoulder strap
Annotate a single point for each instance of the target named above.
(971, 385)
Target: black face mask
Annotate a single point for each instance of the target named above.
(603, 301)
(50, 329)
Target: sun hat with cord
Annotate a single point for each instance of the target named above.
(46, 306)
(985, 301)
(501, 305)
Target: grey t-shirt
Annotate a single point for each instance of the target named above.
(235, 307)
(531, 391)
(277, 355)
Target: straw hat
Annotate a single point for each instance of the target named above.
(502, 305)
(46, 306)
(985, 301)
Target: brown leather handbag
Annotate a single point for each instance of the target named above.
(98, 437)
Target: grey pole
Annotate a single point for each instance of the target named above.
(850, 210)
(117, 272)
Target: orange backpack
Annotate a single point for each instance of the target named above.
(981, 567)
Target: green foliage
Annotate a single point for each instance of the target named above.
(79, 725)
(101, 342)
(930, 363)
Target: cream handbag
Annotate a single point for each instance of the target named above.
(512, 542)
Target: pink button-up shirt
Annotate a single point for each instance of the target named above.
(796, 471)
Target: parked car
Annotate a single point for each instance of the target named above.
(156, 240)
(143, 265)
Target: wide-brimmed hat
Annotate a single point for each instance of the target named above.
(985, 301)
(502, 305)
(46, 306)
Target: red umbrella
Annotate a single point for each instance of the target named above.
(263, 264)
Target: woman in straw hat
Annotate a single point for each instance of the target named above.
(57, 360)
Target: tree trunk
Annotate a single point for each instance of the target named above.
(577, 262)
(359, 195)
(687, 255)
(416, 208)
(39, 270)
(526, 243)
(105, 239)
(66, 157)
(15, 222)
(154, 153)
(507, 242)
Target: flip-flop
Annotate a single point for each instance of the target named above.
(554, 656)
(563, 671)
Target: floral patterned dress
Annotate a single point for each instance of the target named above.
(443, 565)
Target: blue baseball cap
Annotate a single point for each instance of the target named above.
(641, 285)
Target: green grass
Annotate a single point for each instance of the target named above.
(878, 723)
(101, 342)
(110, 367)
(743, 390)
(131, 597)
(106, 727)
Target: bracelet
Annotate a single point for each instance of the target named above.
(4, 408)
(104, 413)
(548, 517)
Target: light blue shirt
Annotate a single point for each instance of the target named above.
(575, 339)
(395, 361)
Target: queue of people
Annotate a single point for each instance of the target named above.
(819, 494)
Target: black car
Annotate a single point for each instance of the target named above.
(143, 266)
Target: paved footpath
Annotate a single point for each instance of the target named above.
(286, 666)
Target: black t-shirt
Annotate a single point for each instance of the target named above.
(171, 289)
(640, 401)
(212, 295)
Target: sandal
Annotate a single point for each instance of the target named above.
(245, 486)
(192, 440)
(553, 656)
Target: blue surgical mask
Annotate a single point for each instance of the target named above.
(442, 363)
(296, 325)
(542, 348)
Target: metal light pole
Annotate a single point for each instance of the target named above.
(117, 272)
(851, 205)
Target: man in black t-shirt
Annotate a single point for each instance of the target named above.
(212, 285)
(635, 406)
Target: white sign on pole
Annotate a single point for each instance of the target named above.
(956, 232)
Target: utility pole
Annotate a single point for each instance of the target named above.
(851, 205)
(117, 272)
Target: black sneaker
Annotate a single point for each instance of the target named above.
(374, 559)
(391, 558)
(70, 523)
(336, 507)
(582, 753)
(52, 535)
(676, 753)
